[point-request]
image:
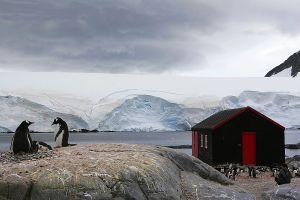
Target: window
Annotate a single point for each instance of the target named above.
(201, 140)
(205, 142)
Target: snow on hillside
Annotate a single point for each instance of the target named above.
(107, 103)
(284, 108)
(91, 109)
(281, 107)
(4, 130)
(195, 115)
(145, 113)
(16, 109)
(149, 113)
(129, 111)
(201, 101)
(59, 102)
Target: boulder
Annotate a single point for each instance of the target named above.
(286, 191)
(113, 171)
(293, 161)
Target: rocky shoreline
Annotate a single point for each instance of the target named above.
(292, 146)
(120, 171)
(113, 171)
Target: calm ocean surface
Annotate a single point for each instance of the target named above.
(153, 138)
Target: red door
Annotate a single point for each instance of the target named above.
(249, 148)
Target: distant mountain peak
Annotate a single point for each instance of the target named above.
(288, 68)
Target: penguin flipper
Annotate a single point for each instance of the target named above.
(57, 134)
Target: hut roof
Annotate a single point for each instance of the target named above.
(220, 118)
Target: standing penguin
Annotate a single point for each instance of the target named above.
(61, 133)
(21, 141)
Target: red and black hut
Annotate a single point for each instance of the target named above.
(243, 136)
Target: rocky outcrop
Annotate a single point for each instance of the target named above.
(282, 192)
(292, 62)
(114, 171)
(293, 162)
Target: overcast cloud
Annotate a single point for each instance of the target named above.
(184, 37)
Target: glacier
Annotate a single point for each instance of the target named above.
(16, 109)
(141, 112)
(284, 108)
(149, 113)
(145, 113)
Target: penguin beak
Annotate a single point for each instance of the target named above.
(31, 122)
(52, 124)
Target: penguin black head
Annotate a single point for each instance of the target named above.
(26, 123)
(57, 120)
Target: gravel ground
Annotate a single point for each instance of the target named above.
(262, 183)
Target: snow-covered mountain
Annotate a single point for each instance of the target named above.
(145, 113)
(288, 68)
(90, 109)
(4, 130)
(149, 113)
(13, 110)
(281, 107)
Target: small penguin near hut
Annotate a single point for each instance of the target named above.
(22, 142)
(61, 133)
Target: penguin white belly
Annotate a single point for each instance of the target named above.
(58, 142)
(29, 143)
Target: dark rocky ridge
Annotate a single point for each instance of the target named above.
(293, 61)
(293, 146)
(114, 171)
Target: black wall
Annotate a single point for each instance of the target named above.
(205, 154)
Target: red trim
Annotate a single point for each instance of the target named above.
(195, 147)
(240, 112)
(193, 143)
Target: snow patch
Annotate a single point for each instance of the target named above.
(284, 73)
(148, 113)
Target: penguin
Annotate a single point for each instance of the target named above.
(22, 142)
(61, 133)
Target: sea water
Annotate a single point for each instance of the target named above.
(151, 138)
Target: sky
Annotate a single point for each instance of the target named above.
(201, 38)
